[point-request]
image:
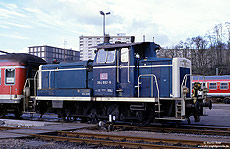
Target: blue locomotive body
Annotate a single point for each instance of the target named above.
(113, 77)
(127, 81)
(63, 80)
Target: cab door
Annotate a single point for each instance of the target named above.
(126, 71)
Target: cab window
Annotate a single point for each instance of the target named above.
(105, 56)
(124, 55)
(110, 56)
(10, 76)
(101, 56)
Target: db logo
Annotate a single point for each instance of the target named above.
(103, 76)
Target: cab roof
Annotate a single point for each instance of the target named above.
(119, 45)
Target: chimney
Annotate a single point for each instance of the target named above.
(106, 38)
(132, 39)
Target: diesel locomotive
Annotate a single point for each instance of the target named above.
(125, 82)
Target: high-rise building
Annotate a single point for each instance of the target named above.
(86, 42)
(49, 54)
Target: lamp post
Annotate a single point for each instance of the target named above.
(104, 14)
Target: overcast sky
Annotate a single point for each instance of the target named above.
(25, 23)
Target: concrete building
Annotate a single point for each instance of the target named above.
(49, 54)
(86, 42)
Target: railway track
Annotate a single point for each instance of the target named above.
(189, 129)
(122, 141)
(100, 139)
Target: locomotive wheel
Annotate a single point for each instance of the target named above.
(18, 112)
(94, 113)
(142, 119)
(197, 111)
(93, 116)
(69, 118)
(17, 115)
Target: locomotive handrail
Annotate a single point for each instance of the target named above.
(49, 79)
(158, 92)
(128, 65)
(185, 81)
(35, 83)
(24, 90)
(151, 75)
(118, 81)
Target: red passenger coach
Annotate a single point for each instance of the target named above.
(218, 86)
(15, 69)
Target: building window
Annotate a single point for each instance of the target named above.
(212, 86)
(10, 76)
(42, 54)
(224, 86)
(43, 49)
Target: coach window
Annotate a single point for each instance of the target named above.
(10, 76)
(212, 86)
(224, 86)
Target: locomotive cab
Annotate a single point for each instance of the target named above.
(120, 63)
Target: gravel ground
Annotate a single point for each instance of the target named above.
(39, 144)
(35, 144)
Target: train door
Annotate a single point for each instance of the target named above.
(10, 81)
(105, 73)
(125, 88)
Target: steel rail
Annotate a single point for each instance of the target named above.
(222, 131)
(123, 143)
